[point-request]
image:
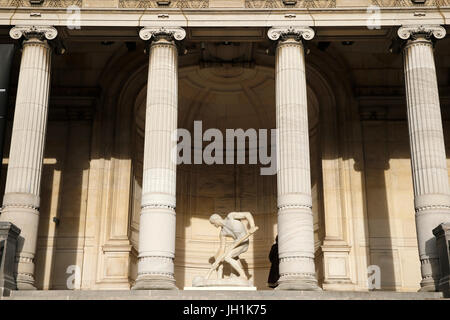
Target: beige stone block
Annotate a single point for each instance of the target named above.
(410, 268)
(202, 228)
(337, 267)
(226, 3)
(100, 3)
(353, 3)
(116, 266)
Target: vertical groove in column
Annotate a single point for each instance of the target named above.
(295, 220)
(426, 136)
(157, 220)
(428, 159)
(27, 141)
(294, 171)
(160, 120)
(22, 189)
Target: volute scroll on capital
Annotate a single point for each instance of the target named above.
(37, 32)
(175, 33)
(297, 32)
(427, 31)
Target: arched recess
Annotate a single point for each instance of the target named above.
(113, 202)
(225, 98)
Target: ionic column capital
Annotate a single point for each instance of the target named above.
(415, 32)
(33, 32)
(291, 32)
(170, 33)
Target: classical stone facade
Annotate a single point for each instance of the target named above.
(359, 93)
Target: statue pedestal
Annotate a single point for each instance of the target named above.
(234, 282)
(222, 288)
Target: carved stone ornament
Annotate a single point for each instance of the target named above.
(407, 32)
(176, 33)
(29, 32)
(298, 33)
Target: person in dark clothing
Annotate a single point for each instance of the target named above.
(274, 273)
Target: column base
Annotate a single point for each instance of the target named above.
(25, 286)
(154, 283)
(431, 274)
(428, 286)
(25, 282)
(25, 276)
(298, 284)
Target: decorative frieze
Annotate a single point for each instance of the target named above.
(200, 4)
(188, 4)
(191, 4)
(45, 3)
(261, 4)
(410, 3)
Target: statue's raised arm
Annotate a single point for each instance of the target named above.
(244, 215)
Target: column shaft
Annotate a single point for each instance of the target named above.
(295, 219)
(428, 159)
(157, 221)
(21, 199)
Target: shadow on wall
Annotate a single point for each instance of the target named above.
(204, 190)
(376, 165)
(390, 202)
(63, 201)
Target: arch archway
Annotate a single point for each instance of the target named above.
(226, 97)
(200, 88)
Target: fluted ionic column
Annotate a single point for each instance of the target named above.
(428, 159)
(21, 199)
(157, 220)
(295, 218)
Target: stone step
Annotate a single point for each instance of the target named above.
(217, 295)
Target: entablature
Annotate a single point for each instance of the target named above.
(372, 14)
(203, 4)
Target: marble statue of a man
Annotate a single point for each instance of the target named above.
(232, 227)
